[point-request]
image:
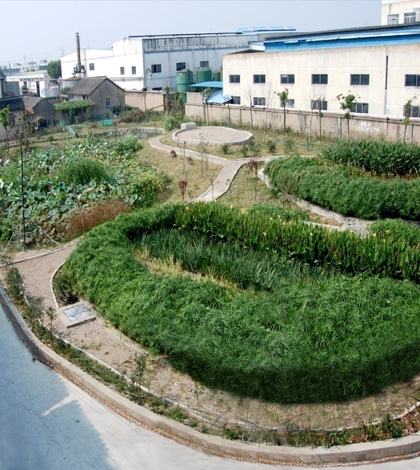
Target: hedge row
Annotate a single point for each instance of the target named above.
(379, 156)
(345, 189)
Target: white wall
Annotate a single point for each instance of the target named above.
(338, 64)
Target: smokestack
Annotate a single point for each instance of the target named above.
(79, 69)
(79, 62)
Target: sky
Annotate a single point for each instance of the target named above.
(46, 29)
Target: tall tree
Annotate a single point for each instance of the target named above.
(5, 122)
(54, 69)
(284, 96)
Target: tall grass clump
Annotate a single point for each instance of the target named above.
(82, 171)
(379, 156)
(307, 338)
(345, 189)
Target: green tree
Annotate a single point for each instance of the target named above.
(347, 102)
(284, 96)
(2, 74)
(54, 69)
(407, 113)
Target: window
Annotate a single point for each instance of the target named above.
(108, 102)
(204, 63)
(393, 19)
(412, 80)
(319, 105)
(234, 79)
(319, 79)
(259, 101)
(156, 68)
(290, 103)
(360, 108)
(259, 78)
(91, 66)
(410, 17)
(122, 71)
(133, 70)
(236, 100)
(414, 111)
(180, 66)
(287, 79)
(359, 79)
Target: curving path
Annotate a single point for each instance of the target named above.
(224, 179)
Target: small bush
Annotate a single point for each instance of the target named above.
(63, 289)
(271, 146)
(14, 282)
(172, 121)
(225, 149)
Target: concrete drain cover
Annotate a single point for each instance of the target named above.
(76, 314)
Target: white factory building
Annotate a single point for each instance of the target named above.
(400, 11)
(151, 62)
(379, 65)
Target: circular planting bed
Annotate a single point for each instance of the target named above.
(213, 135)
(257, 305)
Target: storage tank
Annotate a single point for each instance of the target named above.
(184, 78)
(216, 75)
(204, 75)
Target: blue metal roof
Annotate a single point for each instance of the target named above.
(346, 38)
(212, 84)
(219, 98)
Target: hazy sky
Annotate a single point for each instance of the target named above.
(44, 29)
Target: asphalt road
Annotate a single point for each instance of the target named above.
(47, 423)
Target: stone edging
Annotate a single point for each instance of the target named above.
(340, 455)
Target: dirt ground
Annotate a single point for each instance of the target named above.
(206, 406)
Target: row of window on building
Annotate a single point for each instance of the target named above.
(411, 17)
(155, 68)
(322, 79)
(322, 105)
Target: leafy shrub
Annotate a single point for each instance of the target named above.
(172, 121)
(379, 156)
(317, 339)
(345, 189)
(82, 171)
(127, 144)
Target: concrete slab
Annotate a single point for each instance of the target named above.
(76, 314)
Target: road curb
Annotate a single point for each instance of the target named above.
(214, 445)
